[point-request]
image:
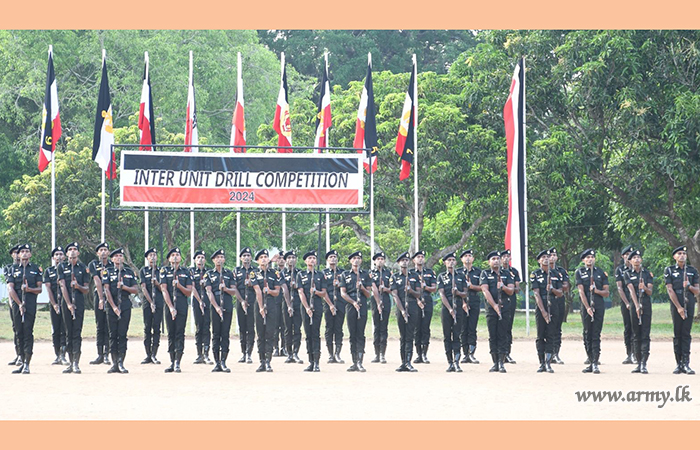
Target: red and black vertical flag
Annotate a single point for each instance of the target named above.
(366, 125)
(147, 120)
(51, 119)
(323, 117)
(282, 123)
(405, 143)
(103, 138)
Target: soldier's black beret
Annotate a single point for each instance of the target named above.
(331, 253)
(173, 250)
(290, 253)
(634, 253)
(505, 252)
(24, 247)
(244, 251)
(149, 251)
(118, 251)
(544, 253)
(100, 245)
(448, 256)
(403, 255)
(587, 252)
(199, 252)
(378, 255)
(626, 249)
(217, 253)
(57, 249)
(682, 248)
(14, 249)
(309, 253)
(468, 251)
(261, 253)
(419, 252)
(352, 255)
(493, 253)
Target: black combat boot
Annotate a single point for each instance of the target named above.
(594, 365)
(27, 360)
(249, 358)
(382, 353)
(317, 358)
(679, 365)
(76, 360)
(310, 367)
(645, 358)
(268, 367)
(217, 361)
(121, 363)
(425, 355)
(457, 356)
(115, 367)
(409, 367)
(353, 367)
(206, 356)
(178, 358)
(106, 354)
(338, 359)
(548, 362)
(331, 358)
(402, 367)
(472, 359)
(69, 369)
(14, 361)
(501, 363)
(629, 359)
(222, 362)
(360, 357)
(686, 365)
(290, 356)
(245, 353)
(200, 356)
(295, 356)
(171, 367)
(494, 358)
(450, 362)
(57, 352)
(376, 353)
(154, 352)
(63, 356)
(508, 359)
(542, 367)
(100, 358)
(419, 355)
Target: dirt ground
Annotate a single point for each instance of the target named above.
(381, 393)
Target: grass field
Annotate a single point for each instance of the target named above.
(661, 328)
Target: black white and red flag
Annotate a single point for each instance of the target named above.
(103, 138)
(50, 118)
(366, 125)
(147, 128)
(323, 117)
(282, 123)
(405, 142)
(238, 122)
(191, 128)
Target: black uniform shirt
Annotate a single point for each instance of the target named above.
(380, 279)
(620, 276)
(472, 276)
(199, 283)
(167, 273)
(398, 284)
(95, 270)
(539, 280)
(446, 280)
(489, 278)
(51, 275)
(66, 272)
(334, 291)
(673, 275)
(633, 277)
(516, 279)
(583, 277)
(32, 273)
(213, 279)
(269, 278)
(430, 280)
(110, 278)
(288, 276)
(242, 274)
(147, 275)
(349, 282)
(304, 282)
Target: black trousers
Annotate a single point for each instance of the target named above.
(74, 327)
(24, 330)
(681, 328)
(407, 330)
(312, 329)
(246, 326)
(626, 320)
(558, 306)
(498, 329)
(102, 327)
(592, 329)
(220, 332)
(546, 332)
(58, 330)
(118, 328)
(511, 317)
(334, 324)
(202, 322)
(292, 326)
(381, 324)
(18, 350)
(468, 334)
(451, 329)
(151, 327)
(423, 325)
(641, 332)
(280, 338)
(176, 329)
(356, 327)
(266, 327)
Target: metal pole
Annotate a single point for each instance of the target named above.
(526, 275)
(415, 153)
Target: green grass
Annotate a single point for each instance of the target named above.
(661, 327)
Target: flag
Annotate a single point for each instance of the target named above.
(50, 118)
(405, 145)
(366, 125)
(238, 123)
(146, 119)
(513, 117)
(102, 152)
(191, 130)
(282, 123)
(323, 118)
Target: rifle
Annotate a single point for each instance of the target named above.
(685, 290)
(405, 295)
(591, 294)
(119, 291)
(422, 308)
(221, 292)
(639, 296)
(454, 294)
(549, 292)
(312, 292)
(265, 297)
(59, 294)
(72, 289)
(153, 289)
(245, 292)
(358, 289)
(24, 291)
(381, 294)
(500, 291)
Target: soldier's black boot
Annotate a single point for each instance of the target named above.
(338, 359)
(63, 356)
(290, 356)
(121, 363)
(14, 361)
(509, 360)
(501, 363)
(261, 368)
(76, 360)
(331, 358)
(548, 362)
(57, 352)
(679, 364)
(206, 356)
(594, 365)
(69, 369)
(317, 358)
(154, 352)
(555, 358)
(628, 360)
(114, 368)
(542, 367)
(284, 351)
(200, 356)
(276, 351)
(268, 367)
(147, 359)
(494, 358)
(450, 362)
(248, 358)
(171, 367)
(465, 351)
(645, 358)
(217, 361)
(100, 358)
(360, 357)
(28, 359)
(106, 353)
(686, 365)
(638, 369)
(245, 353)
(382, 353)
(419, 355)
(635, 360)
(472, 359)
(409, 367)
(425, 355)
(222, 362)
(20, 361)
(587, 361)
(178, 358)
(353, 367)
(457, 356)
(295, 356)
(376, 353)
(310, 367)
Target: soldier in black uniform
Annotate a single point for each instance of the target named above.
(266, 309)
(513, 300)
(152, 307)
(404, 288)
(471, 276)
(311, 286)
(428, 283)
(291, 309)
(74, 282)
(176, 285)
(356, 288)
(682, 286)
(8, 270)
(592, 285)
(244, 310)
(625, 309)
(95, 269)
(381, 306)
(453, 292)
(558, 303)
(58, 330)
(201, 309)
(640, 284)
(277, 263)
(120, 283)
(221, 286)
(497, 285)
(24, 285)
(334, 323)
(546, 285)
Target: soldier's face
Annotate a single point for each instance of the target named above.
(379, 262)
(680, 256)
(199, 260)
(544, 261)
(102, 252)
(25, 254)
(263, 260)
(467, 259)
(332, 260)
(505, 260)
(636, 260)
(175, 258)
(15, 255)
(58, 257)
(553, 258)
(589, 260)
(246, 258)
(310, 261)
(219, 260)
(403, 263)
(152, 257)
(450, 263)
(495, 262)
(356, 261)
(625, 257)
(419, 260)
(291, 261)
(117, 259)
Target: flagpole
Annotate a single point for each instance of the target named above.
(102, 209)
(526, 275)
(328, 143)
(145, 218)
(415, 151)
(284, 214)
(53, 181)
(371, 186)
(191, 209)
(238, 214)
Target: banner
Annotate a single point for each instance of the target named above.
(217, 180)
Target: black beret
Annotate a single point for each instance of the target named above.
(419, 252)
(119, 251)
(261, 253)
(466, 252)
(635, 253)
(217, 253)
(493, 253)
(14, 249)
(331, 253)
(587, 252)
(682, 248)
(505, 252)
(544, 253)
(24, 247)
(404, 255)
(309, 253)
(150, 250)
(290, 253)
(244, 251)
(57, 249)
(173, 250)
(100, 245)
(378, 255)
(626, 249)
(352, 255)
(448, 256)
(552, 250)
(199, 252)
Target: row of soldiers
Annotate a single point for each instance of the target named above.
(275, 299)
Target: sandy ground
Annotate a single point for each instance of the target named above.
(380, 393)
